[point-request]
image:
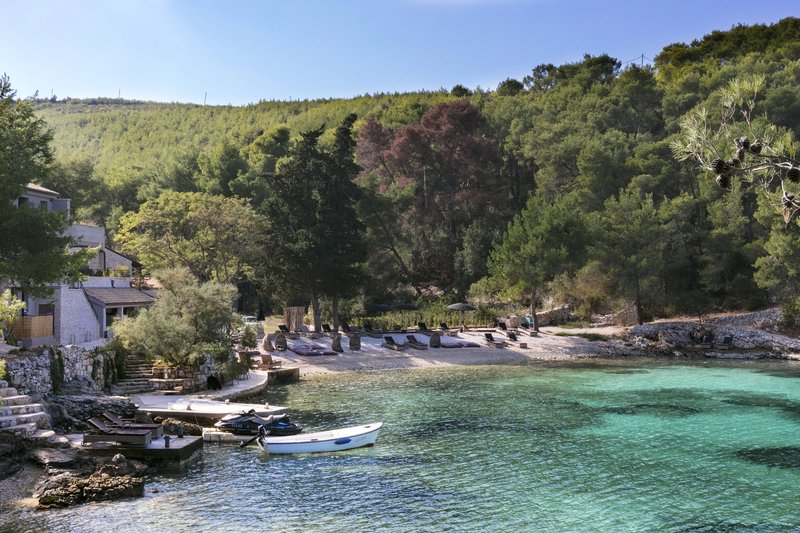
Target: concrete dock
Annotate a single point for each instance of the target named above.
(181, 453)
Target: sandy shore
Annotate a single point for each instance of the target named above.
(547, 346)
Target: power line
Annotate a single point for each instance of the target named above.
(640, 58)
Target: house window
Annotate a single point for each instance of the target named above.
(43, 205)
(45, 309)
(22, 201)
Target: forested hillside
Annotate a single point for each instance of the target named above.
(562, 186)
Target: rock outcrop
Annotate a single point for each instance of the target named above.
(69, 413)
(745, 341)
(86, 480)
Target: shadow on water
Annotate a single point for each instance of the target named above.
(728, 527)
(653, 409)
(786, 457)
(789, 407)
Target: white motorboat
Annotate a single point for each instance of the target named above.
(211, 410)
(324, 441)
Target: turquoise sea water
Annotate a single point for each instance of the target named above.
(607, 446)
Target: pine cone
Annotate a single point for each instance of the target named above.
(743, 142)
(724, 180)
(740, 153)
(733, 163)
(718, 166)
(793, 174)
(756, 147)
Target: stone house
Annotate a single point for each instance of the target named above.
(80, 312)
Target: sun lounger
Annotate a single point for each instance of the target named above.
(423, 327)
(512, 338)
(287, 333)
(491, 341)
(101, 432)
(727, 343)
(347, 328)
(707, 342)
(528, 330)
(371, 332)
(389, 342)
(310, 350)
(447, 330)
(414, 343)
(156, 430)
(452, 342)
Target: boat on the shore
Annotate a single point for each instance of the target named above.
(323, 441)
(209, 410)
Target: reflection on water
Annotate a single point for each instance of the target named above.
(603, 446)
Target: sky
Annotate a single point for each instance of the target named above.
(243, 51)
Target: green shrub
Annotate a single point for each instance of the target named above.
(230, 370)
(3, 369)
(249, 338)
(97, 365)
(790, 312)
(118, 353)
(57, 371)
(588, 336)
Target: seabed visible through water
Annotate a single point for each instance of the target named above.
(609, 445)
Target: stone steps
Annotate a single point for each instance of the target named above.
(17, 420)
(20, 415)
(21, 409)
(138, 374)
(7, 391)
(18, 399)
(27, 429)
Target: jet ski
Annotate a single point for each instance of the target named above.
(248, 423)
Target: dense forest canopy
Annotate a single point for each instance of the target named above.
(455, 189)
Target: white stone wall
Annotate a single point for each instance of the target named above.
(86, 235)
(75, 321)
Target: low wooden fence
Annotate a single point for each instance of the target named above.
(33, 327)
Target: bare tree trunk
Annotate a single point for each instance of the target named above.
(316, 312)
(533, 310)
(335, 311)
(638, 303)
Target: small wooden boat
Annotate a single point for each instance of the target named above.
(324, 441)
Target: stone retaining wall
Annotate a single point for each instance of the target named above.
(31, 373)
(559, 315)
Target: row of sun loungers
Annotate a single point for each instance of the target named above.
(112, 428)
(444, 338)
